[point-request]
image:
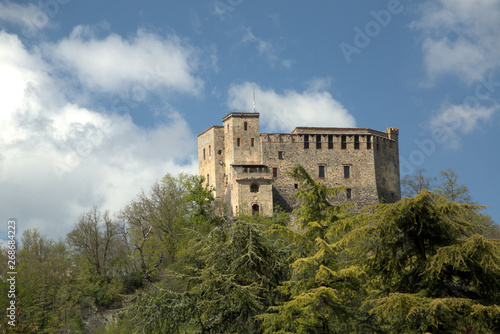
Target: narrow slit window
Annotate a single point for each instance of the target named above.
(344, 142)
(245, 126)
(348, 193)
(347, 172)
(306, 141)
(368, 142)
(204, 154)
(252, 142)
(356, 142)
(330, 142)
(321, 171)
(238, 141)
(209, 150)
(318, 142)
(275, 172)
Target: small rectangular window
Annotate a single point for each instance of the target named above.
(280, 155)
(348, 193)
(252, 142)
(275, 172)
(306, 141)
(321, 171)
(344, 142)
(356, 142)
(347, 172)
(220, 152)
(318, 142)
(296, 186)
(330, 142)
(368, 142)
(238, 141)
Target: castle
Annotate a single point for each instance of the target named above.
(248, 169)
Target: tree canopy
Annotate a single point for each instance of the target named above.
(429, 263)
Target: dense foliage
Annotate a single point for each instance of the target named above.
(167, 264)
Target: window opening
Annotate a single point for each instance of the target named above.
(347, 172)
(321, 171)
(255, 209)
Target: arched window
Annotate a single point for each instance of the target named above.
(254, 188)
(255, 209)
(245, 126)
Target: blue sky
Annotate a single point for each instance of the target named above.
(99, 99)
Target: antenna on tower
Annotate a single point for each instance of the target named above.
(254, 99)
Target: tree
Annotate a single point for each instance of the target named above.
(95, 239)
(430, 268)
(99, 248)
(42, 272)
(453, 191)
(323, 294)
(413, 185)
(157, 222)
(233, 279)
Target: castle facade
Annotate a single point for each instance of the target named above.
(248, 169)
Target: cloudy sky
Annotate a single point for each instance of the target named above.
(99, 99)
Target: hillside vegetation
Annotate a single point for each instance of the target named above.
(166, 264)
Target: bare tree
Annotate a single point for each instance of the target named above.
(96, 238)
(452, 190)
(414, 184)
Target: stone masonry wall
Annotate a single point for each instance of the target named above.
(361, 180)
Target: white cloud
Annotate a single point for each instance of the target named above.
(284, 112)
(460, 37)
(31, 16)
(114, 64)
(265, 49)
(455, 120)
(58, 158)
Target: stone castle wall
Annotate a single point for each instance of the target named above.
(243, 160)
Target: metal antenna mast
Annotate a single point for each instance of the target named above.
(254, 99)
